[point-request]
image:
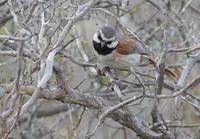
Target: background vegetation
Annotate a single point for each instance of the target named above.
(50, 87)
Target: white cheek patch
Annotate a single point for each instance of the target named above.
(95, 38)
(113, 44)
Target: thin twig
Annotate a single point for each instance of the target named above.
(111, 110)
(80, 118)
(139, 80)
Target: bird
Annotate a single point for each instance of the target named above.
(121, 53)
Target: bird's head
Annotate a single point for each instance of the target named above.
(105, 40)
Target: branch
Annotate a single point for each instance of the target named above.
(112, 110)
(50, 59)
(86, 100)
(8, 37)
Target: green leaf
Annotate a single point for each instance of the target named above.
(2, 31)
(135, 8)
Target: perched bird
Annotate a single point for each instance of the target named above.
(121, 53)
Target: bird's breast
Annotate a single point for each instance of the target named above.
(116, 60)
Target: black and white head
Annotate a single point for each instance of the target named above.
(105, 40)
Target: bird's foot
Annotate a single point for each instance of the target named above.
(102, 70)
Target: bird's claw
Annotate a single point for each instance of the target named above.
(101, 70)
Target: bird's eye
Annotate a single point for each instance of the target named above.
(99, 37)
(109, 42)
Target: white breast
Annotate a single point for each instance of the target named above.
(121, 61)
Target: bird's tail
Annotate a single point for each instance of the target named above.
(167, 71)
(171, 74)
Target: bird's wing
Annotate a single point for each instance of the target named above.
(121, 61)
(130, 46)
(116, 60)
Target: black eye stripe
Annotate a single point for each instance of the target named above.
(99, 37)
(109, 42)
